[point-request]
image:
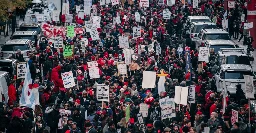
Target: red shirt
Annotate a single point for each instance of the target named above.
(213, 108)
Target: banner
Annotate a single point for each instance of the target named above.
(203, 54)
(94, 73)
(191, 94)
(70, 31)
(166, 14)
(68, 79)
(144, 109)
(102, 92)
(123, 42)
(21, 70)
(137, 16)
(144, 3)
(68, 51)
(249, 86)
(136, 32)
(234, 117)
(122, 68)
(149, 79)
(51, 31)
(167, 107)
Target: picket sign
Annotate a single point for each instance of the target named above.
(102, 92)
(136, 32)
(123, 42)
(144, 3)
(122, 68)
(166, 14)
(92, 64)
(167, 107)
(195, 3)
(231, 4)
(203, 54)
(191, 94)
(68, 79)
(21, 70)
(94, 73)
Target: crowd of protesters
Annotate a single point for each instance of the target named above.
(109, 117)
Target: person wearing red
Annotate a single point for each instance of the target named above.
(214, 107)
(12, 93)
(55, 77)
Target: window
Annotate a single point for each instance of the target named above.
(37, 29)
(29, 37)
(198, 28)
(200, 20)
(236, 74)
(217, 37)
(14, 47)
(218, 47)
(234, 59)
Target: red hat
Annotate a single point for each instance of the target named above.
(149, 125)
(77, 101)
(147, 91)
(200, 77)
(14, 77)
(126, 83)
(108, 77)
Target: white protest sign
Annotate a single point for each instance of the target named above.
(94, 73)
(234, 117)
(191, 94)
(122, 69)
(96, 21)
(248, 25)
(58, 42)
(249, 86)
(136, 32)
(102, 2)
(94, 34)
(167, 107)
(55, 15)
(137, 16)
(81, 14)
(144, 109)
(231, 4)
(108, 1)
(128, 55)
(149, 79)
(181, 95)
(39, 17)
(69, 18)
(203, 54)
(115, 2)
(21, 70)
(170, 2)
(160, 2)
(123, 42)
(84, 42)
(118, 20)
(68, 79)
(77, 8)
(195, 3)
(144, 3)
(88, 27)
(87, 7)
(166, 14)
(94, 10)
(242, 17)
(65, 8)
(92, 64)
(102, 92)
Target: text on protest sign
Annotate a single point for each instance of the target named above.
(144, 3)
(21, 70)
(122, 68)
(123, 42)
(94, 73)
(203, 54)
(102, 92)
(167, 107)
(68, 51)
(136, 32)
(68, 79)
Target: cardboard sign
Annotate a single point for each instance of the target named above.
(166, 14)
(203, 54)
(68, 79)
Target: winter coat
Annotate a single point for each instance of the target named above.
(12, 94)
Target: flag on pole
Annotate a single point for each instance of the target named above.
(30, 95)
